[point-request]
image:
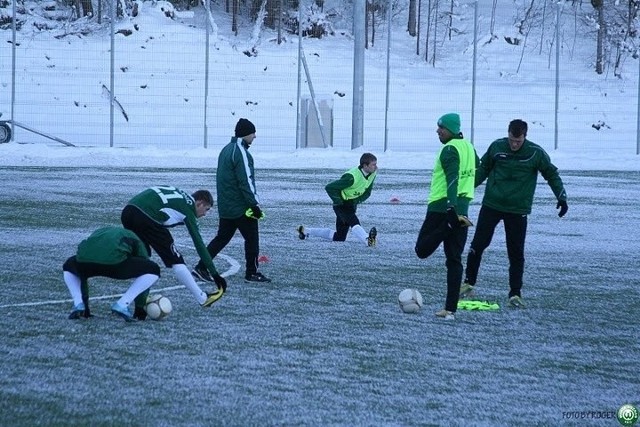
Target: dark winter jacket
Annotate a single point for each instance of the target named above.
(512, 176)
(235, 181)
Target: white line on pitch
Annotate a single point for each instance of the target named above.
(234, 267)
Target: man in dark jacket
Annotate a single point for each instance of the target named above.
(238, 203)
(511, 165)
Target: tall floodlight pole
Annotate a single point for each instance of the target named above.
(475, 62)
(357, 114)
(112, 16)
(555, 130)
(298, 130)
(14, 30)
(386, 104)
(638, 116)
(206, 70)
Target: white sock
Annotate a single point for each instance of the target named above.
(186, 279)
(323, 233)
(360, 234)
(138, 286)
(73, 283)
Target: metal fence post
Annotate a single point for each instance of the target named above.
(557, 94)
(386, 102)
(475, 61)
(112, 26)
(206, 70)
(299, 93)
(357, 115)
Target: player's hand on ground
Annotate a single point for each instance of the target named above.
(220, 282)
(562, 205)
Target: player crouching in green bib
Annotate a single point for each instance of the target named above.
(116, 253)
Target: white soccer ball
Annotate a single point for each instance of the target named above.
(410, 300)
(158, 307)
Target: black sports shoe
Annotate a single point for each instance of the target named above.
(373, 234)
(256, 277)
(202, 274)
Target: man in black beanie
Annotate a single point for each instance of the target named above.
(238, 203)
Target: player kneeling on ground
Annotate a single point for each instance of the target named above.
(116, 253)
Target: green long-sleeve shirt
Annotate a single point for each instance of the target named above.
(110, 246)
(512, 176)
(171, 206)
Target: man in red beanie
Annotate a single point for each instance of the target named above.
(238, 203)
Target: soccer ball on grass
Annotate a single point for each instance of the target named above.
(158, 307)
(410, 300)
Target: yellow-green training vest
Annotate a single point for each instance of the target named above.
(360, 184)
(466, 173)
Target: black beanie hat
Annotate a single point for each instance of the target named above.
(244, 127)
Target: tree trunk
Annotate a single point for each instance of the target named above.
(450, 19)
(367, 6)
(234, 17)
(602, 32)
(426, 43)
(411, 24)
(279, 21)
(373, 26)
(493, 18)
(87, 8)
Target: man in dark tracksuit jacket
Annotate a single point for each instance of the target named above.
(511, 165)
(238, 202)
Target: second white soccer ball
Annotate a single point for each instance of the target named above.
(410, 300)
(158, 307)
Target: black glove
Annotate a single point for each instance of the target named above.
(452, 218)
(139, 313)
(220, 282)
(254, 212)
(562, 205)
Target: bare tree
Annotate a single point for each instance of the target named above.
(411, 24)
(87, 8)
(366, 24)
(373, 9)
(492, 26)
(598, 5)
(83, 8)
(450, 19)
(436, 7)
(234, 17)
(627, 31)
(544, 15)
(426, 44)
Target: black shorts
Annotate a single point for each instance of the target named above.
(153, 235)
(128, 269)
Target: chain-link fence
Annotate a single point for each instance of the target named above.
(181, 79)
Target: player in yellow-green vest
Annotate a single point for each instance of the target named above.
(353, 188)
(452, 189)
